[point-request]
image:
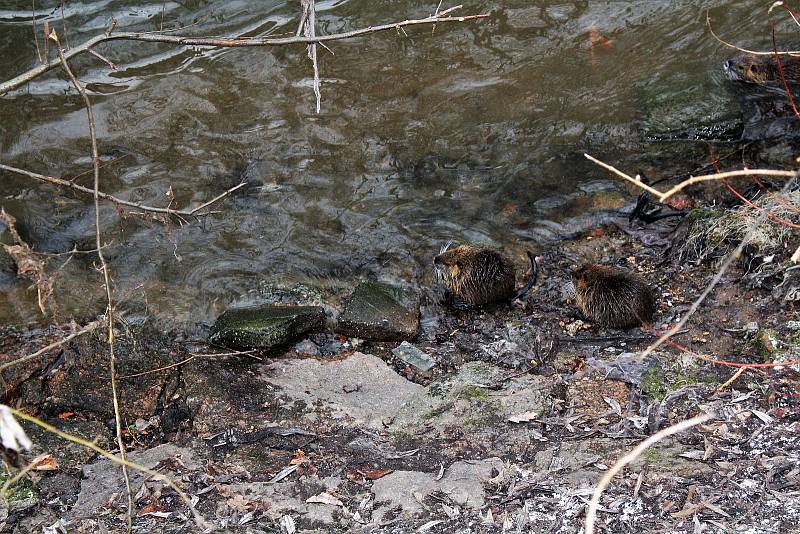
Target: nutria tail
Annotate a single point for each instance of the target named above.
(533, 275)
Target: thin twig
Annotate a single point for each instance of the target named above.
(591, 512)
(224, 42)
(24, 471)
(193, 356)
(780, 72)
(121, 461)
(168, 211)
(35, 33)
(104, 269)
(104, 59)
(85, 330)
(64, 24)
(732, 379)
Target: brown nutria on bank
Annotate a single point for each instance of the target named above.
(613, 297)
(762, 69)
(476, 276)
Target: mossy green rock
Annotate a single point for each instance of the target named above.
(380, 312)
(265, 327)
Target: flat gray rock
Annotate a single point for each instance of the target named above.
(467, 399)
(414, 356)
(103, 478)
(265, 327)
(361, 388)
(462, 482)
(380, 312)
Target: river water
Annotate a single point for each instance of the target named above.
(466, 132)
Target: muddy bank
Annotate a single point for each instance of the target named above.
(523, 410)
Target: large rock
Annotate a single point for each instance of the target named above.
(265, 327)
(360, 388)
(380, 312)
(462, 483)
(479, 398)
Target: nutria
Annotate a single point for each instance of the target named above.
(476, 276)
(762, 70)
(613, 297)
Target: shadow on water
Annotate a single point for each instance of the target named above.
(472, 132)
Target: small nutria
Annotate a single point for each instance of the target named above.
(762, 70)
(476, 276)
(613, 297)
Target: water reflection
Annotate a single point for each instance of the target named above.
(470, 132)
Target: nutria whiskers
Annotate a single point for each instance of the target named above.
(613, 297)
(476, 276)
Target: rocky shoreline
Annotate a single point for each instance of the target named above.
(496, 420)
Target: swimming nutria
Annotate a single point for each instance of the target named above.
(613, 297)
(476, 276)
(762, 69)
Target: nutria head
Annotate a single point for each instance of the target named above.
(751, 68)
(762, 70)
(613, 297)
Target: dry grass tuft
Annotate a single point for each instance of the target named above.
(713, 233)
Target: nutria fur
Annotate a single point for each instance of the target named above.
(762, 70)
(476, 276)
(613, 297)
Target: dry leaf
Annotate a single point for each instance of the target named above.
(325, 498)
(239, 503)
(44, 463)
(523, 417)
(375, 474)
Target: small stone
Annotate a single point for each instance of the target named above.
(414, 357)
(380, 312)
(265, 327)
(307, 347)
(793, 325)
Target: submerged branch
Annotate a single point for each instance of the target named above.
(153, 209)
(225, 42)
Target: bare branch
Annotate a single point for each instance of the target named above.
(168, 211)
(226, 42)
(591, 512)
(692, 180)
